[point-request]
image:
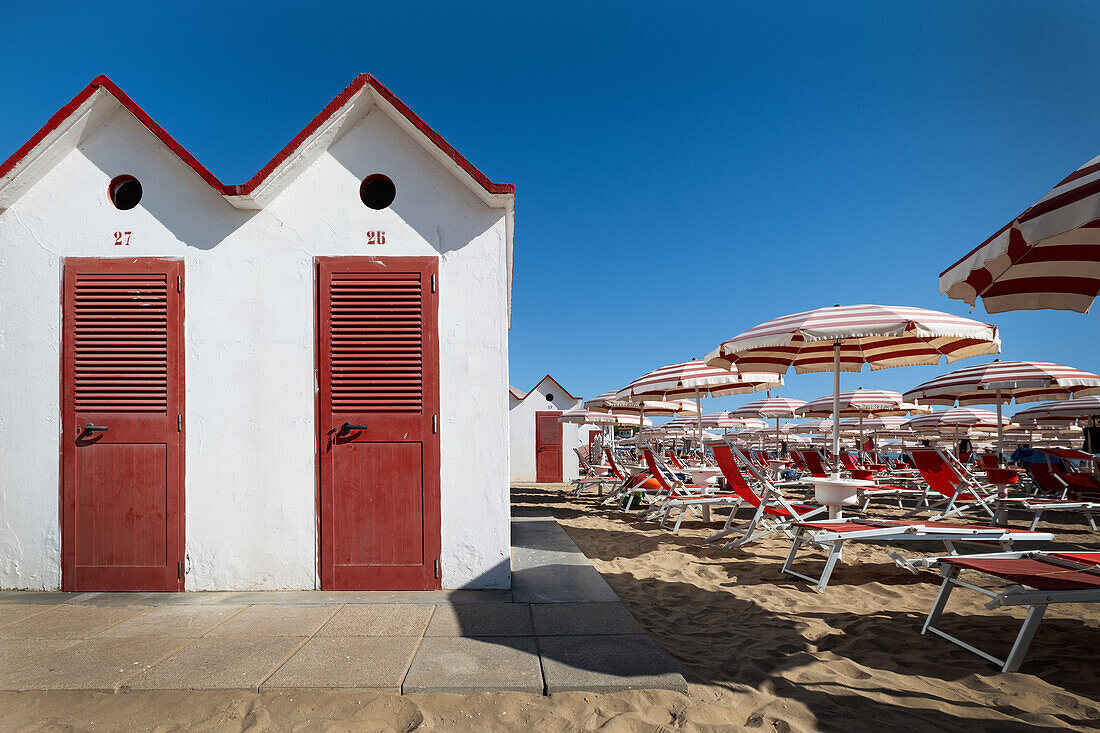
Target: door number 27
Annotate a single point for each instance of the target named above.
(122, 239)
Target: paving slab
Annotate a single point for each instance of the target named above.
(467, 665)
(607, 664)
(16, 653)
(268, 621)
(172, 621)
(48, 597)
(10, 613)
(96, 664)
(482, 619)
(576, 619)
(378, 619)
(70, 622)
(548, 567)
(376, 662)
(224, 663)
(561, 584)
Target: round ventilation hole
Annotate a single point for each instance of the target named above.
(549, 397)
(377, 191)
(124, 192)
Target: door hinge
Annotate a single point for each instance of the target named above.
(437, 567)
(435, 424)
(179, 423)
(433, 282)
(179, 283)
(179, 569)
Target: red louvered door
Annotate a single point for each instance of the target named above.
(122, 440)
(378, 407)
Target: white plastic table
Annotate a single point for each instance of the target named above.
(837, 493)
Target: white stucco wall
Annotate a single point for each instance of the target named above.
(521, 426)
(251, 518)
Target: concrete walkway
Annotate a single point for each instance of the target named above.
(560, 627)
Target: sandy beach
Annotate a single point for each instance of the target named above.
(759, 650)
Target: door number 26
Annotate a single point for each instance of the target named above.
(378, 237)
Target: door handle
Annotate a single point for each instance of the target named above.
(348, 427)
(89, 428)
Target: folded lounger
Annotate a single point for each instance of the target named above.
(598, 476)
(831, 534)
(1039, 579)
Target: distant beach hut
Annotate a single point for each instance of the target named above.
(541, 445)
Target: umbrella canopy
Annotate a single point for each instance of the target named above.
(591, 417)
(607, 402)
(884, 423)
(1047, 257)
(1060, 412)
(1003, 381)
(880, 335)
(944, 421)
(853, 403)
(770, 407)
(999, 382)
(696, 379)
(823, 425)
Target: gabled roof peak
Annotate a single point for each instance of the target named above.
(244, 195)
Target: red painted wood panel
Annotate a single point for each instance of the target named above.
(378, 372)
(548, 443)
(122, 369)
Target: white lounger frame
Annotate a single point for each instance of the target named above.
(1036, 601)
(880, 532)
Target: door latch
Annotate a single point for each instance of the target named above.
(348, 427)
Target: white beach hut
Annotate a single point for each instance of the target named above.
(326, 411)
(541, 446)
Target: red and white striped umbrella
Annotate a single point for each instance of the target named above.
(1061, 412)
(771, 407)
(857, 402)
(999, 382)
(696, 379)
(822, 425)
(879, 335)
(843, 338)
(1047, 257)
(591, 417)
(943, 421)
(875, 424)
(607, 402)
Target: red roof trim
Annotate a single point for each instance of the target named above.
(563, 389)
(243, 189)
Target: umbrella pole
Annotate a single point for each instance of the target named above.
(859, 450)
(699, 422)
(836, 406)
(1000, 433)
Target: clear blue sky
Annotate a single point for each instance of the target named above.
(682, 172)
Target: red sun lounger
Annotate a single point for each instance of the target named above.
(678, 495)
(1039, 579)
(773, 512)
